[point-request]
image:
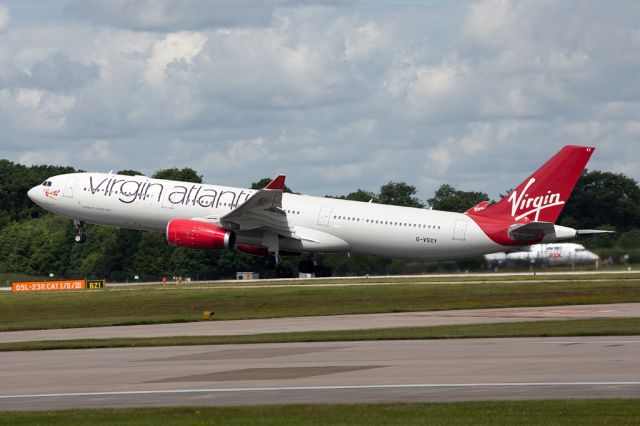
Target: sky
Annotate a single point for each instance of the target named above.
(337, 95)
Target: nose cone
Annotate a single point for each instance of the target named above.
(33, 193)
(36, 194)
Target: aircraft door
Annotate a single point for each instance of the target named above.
(460, 230)
(70, 187)
(325, 215)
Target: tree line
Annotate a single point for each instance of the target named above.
(33, 241)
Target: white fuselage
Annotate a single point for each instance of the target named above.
(140, 202)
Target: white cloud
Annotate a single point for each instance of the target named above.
(441, 157)
(176, 15)
(338, 96)
(4, 17)
(175, 47)
(363, 43)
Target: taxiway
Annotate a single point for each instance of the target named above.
(332, 323)
(410, 371)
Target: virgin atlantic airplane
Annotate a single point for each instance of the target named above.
(271, 224)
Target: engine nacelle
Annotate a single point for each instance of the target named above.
(199, 235)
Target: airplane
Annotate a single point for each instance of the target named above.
(273, 224)
(549, 254)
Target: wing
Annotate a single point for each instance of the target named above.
(263, 210)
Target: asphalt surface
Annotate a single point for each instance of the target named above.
(332, 323)
(409, 371)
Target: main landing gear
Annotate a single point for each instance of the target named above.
(272, 261)
(307, 266)
(311, 266)
(79, 237)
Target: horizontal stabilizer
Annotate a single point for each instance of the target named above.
(524, 232)
(593, 231)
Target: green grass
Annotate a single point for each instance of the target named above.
(550, 412)
(22, 311)
(517, 276)
(548, 328)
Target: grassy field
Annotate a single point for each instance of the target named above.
(21, 311)
(552, 412)
(549, 328)
(518, 276)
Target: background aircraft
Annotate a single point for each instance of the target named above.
(547, 254)
(272, 224)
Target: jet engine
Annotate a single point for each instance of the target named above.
(199, 235)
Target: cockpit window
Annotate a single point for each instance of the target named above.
(46, 183)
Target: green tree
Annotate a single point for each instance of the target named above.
(359, 195)
(603, 198)
(152, 255)
(630, 240)
(15, 182)
(399, 194)
(186, 174)
(128, 172)
(447, 198)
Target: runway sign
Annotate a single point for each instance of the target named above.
(62, 285)
(95, 284)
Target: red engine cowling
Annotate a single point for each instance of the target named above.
(199, 235)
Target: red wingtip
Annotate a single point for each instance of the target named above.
(277, 183)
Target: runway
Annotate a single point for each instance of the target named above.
(332, 323)
(409, 371)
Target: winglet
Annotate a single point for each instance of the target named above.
(277, 183)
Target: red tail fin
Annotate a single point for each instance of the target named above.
(542, 195)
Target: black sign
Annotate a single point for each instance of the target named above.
(95, 284)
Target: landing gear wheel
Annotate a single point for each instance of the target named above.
(269, 262)
(284, 272)
(79, 237)
(306, 266)
(322, 271)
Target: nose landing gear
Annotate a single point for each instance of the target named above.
(79, 238)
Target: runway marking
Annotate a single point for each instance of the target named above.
(311, 388)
